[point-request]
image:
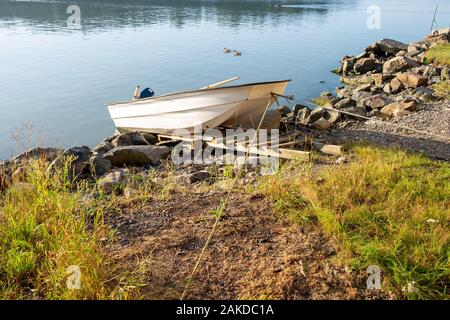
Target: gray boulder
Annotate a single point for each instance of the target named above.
(396, 107)
(48, 154)
(360, 95)
(347, 65)
(412, 80)
(357, 111)
(322, 118)
(412, 54)
(398, 64)
(377, 101)
(79, 163)
(100, 165)
(425, 94)
(322, 124)
(137, 155)
(302, 116)
(345, 103)
(373, 48)
(365, 65)
(284, 111)
(363, 87)
(381, 78)
(390, 46)
(134, 139)
(297, 108)
(103, 147)
(111, 138)
(113, 181)
(344, 92)
(315, 115)
(395, 85)
(413, 48)
(441, 32)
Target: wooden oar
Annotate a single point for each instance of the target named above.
(220, 83)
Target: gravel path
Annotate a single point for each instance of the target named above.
(433, 118)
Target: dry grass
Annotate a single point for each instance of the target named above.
(387, 208)
(47, 225)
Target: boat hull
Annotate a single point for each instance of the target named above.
(205, 108)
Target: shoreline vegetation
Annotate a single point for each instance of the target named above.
(134, 223)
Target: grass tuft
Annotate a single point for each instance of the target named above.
(439, 55)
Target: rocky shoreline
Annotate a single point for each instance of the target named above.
(390, 81)
(388, 86)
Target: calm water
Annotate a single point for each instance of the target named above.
(59, 79)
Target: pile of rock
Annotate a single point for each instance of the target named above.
(13, 169)
(108, 159)
(389, 78)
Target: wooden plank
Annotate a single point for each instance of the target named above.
(295, 154)
(281, 153)
(175, 138)
(329, 149)
(261, 150)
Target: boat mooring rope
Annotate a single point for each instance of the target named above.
(224, 204)
(291, 98)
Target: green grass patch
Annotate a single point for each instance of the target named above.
(439, 54)
(387, 208)
(321, 101)
(47, 226)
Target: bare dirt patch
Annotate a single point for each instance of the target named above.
(254, 253)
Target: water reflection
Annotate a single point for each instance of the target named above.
(60, 79)
(102, 16)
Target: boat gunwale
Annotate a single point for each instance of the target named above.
(182, 111)
(118, 104)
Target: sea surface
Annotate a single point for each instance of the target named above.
(62, 61)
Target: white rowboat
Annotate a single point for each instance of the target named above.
(207, 107)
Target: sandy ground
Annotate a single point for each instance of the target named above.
(253, 254)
